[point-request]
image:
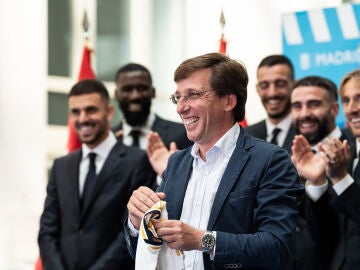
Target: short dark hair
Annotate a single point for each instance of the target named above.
(318, 81)
(276, 59)
(227, 77)
(132, 67)
(89, 86)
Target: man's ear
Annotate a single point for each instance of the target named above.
(335, 109)
(153, 92)
(230, 102)
(117, 94)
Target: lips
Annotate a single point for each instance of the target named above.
(190, 121)
(86, 129)
(355, 122)
(135, 107)
(307, 126)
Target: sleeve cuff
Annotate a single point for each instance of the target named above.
(315, 192)
(343, 184)
(133, 231)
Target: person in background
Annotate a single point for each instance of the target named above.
(335, 238)
(275, 77)
(231, 198)
(81, 225)
(134, 93)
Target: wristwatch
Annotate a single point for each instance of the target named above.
(207, 242)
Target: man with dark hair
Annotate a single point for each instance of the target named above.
(88, 189)
(275, 76)
(231, 199)
(134, 92)
(314, 107)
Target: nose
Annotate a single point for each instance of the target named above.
(83, 117)
(272, 89)
(353, 106)
(182, 105)
(134, 93)
(304, 112)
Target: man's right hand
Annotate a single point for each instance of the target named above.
(140, 202)
(308, 165)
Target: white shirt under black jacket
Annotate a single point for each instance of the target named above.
(284, 125)
(102, 151)
(201, 189)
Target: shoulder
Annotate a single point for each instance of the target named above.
(162, 121)
(259, 126)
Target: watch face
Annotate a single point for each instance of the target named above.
(208, 241)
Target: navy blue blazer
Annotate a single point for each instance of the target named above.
(92, 238)
(254, 209)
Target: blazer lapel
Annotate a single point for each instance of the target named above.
(73, 176)
(231, 174)
(176, 193)
(289, 139)
(112, 161)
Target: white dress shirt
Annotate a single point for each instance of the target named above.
(102, 151)
(284, 125)
(202, 187)
(145, 130)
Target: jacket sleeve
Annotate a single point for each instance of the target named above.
(266, 240)
(50, 223)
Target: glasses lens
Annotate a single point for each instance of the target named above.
(173, 99)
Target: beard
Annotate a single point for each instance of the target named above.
(317, 136)
(136, 118)
(282, 114)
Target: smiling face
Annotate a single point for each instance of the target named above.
(350, 97)
(90, 115)
(313, 112)
(134, 93)
(208, 116)
(273, 88)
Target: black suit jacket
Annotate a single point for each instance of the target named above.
(258, 130)
(93, 238)
(169, 131)
(335, 237)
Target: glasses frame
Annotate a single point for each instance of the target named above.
(192, 95)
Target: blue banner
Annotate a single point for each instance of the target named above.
(323, 42)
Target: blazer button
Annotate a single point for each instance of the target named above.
(81, 232)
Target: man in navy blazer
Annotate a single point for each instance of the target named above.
(231, 198)
(81, 232)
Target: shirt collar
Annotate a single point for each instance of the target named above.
(103, 149)
(284, 125)
(226, 144)
(145, 129)
(336, 133)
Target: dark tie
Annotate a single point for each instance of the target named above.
(135, 134)
(89, 180)
(275, 133)
(356, 174)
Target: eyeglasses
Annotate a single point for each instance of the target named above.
(279, 83)
(192, 95)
